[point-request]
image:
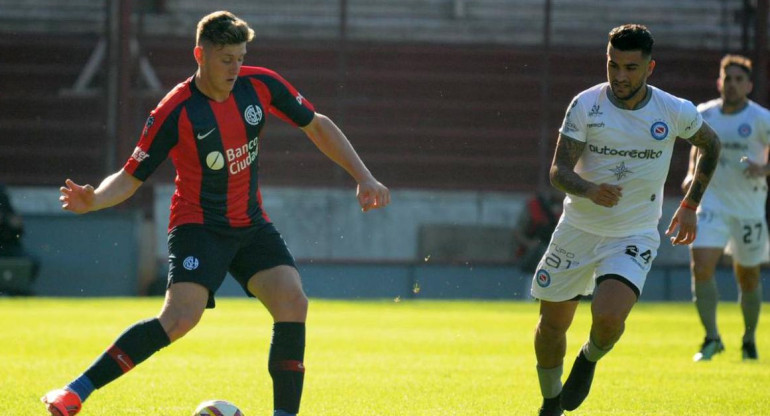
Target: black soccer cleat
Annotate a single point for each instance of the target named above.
(749, 351)
(578, 383)
(551, 407)
(708, 349)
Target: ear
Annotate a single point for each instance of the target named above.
(650, 67)
(198, 54)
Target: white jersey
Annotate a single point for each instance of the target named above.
(745, 133)
(630, 148)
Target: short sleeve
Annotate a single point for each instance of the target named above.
(286, 102)
(764, 126)
(689, 121)
(574, 123)
(157, 140)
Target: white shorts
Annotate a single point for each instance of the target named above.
(743, 238)
(575, 259)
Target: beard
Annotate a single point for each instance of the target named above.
(732, 99)
(627, 96)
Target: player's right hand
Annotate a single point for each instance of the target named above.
(605, 194)
(372, 194)
(76, 198)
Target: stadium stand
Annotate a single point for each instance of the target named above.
(455, 85)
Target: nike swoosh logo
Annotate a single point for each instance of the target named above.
(203, 136)
(120, 356)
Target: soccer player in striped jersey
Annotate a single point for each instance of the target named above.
(209, 126)
(612, 158)
(731, 216)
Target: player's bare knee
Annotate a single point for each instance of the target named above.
(552, 329)
(179, 324)
(607, 324)
(747, 277)
(299, 302)
(701, 273)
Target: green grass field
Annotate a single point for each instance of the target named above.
(378, 358)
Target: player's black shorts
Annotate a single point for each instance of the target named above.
(204, 254)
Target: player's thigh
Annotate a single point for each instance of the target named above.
(266, 269)
(182, 308)
(260, 250)
(566, 270)
(280, 290)
(748, 241)
(613, 301)
(703, 262)
(200, 254)
(556, 316)
(748, 277)
(628, 259)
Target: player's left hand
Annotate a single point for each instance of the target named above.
(372, 194)
(753, 170)
(686, 221)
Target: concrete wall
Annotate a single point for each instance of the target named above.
(327, 224)
(94, 255)
(342, 252)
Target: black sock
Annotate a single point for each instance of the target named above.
(285, 363)
(132, 347)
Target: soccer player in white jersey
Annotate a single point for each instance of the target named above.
(612, 158)
(731, 215)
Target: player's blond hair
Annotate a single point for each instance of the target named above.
(740, 61)
(223, 28)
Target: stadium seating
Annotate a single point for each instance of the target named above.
(425, 108)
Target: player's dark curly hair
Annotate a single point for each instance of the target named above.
(223, 28)
(632, 37)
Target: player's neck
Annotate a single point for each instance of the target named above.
(736, 107)
(207, 89)
(636, 102)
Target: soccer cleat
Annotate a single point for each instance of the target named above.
(550, 407)
(62, 402)
(709, 348)
(578, 383)
(749, 351)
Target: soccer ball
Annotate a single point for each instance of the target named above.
(217, 408)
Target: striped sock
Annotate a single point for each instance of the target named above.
(285, 363)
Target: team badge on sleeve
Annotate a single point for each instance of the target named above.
(148, 124)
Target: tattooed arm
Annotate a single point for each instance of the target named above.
(707, 154)
(707, 142)
(692, 160)
(564, 177)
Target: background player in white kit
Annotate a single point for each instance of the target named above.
(612, 159)
(731, 215)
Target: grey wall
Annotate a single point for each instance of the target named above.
(94, 255)
(327, 224)
(343, 253)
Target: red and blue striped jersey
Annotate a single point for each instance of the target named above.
(215, 146)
